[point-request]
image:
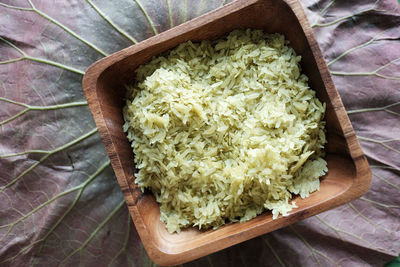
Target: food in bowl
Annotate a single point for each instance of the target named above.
(225, 129)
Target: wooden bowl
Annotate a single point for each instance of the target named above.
(104, 85)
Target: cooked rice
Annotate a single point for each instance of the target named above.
(223, 129)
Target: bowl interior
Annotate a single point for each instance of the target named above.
(271, 16)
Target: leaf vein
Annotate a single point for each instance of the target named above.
(93, 234)
(147, 17)
(65, 146)
(112, 24)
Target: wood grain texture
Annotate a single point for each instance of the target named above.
(104, 83)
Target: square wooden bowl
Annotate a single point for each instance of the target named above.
(104, 85)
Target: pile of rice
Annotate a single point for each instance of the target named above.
(223, 129)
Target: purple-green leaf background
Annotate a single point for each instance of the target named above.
(60, 203)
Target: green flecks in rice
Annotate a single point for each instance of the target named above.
(222, 130)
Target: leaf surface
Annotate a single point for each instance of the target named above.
(60, 202)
